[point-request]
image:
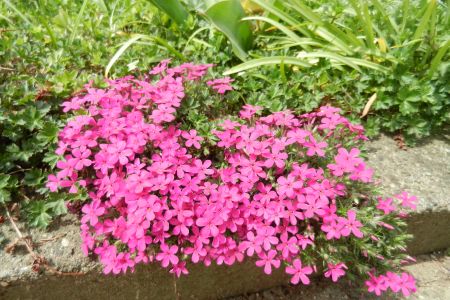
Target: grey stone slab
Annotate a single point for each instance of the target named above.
(423, 171)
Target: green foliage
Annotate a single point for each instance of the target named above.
(305, 29)
(407, 40)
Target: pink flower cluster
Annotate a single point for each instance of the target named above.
(403, 282)
(277, 184)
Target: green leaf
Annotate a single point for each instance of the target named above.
(121, 50)
(58, 207)
(4, 178)
(18, 154)
(274, 60)
(134, 39)
(32, 118)
(5, 196)
(33, 177)
(48, 134)
(227, 16)
(38, 214)
(51, 158)
(18, 12)
(173, 8)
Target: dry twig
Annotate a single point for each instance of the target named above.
(40, 263)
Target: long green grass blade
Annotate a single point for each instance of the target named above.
(436, 61)
(405, 14)
(285, 17)
(274, 60)
(121, 50)
(227, 16)
(152, 40)
(368, 26)
(348, 61)
(18, 12)
(77, 22)
(327, 31)
(292, 35)
(386, 16)
(422, 28)
(193, 36)
(173, 8)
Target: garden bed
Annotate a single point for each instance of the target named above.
(423, 170)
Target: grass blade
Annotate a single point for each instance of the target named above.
(274, 60)
(422, 28)
(292, 35)
(227, 16)
(121, 50)
(386, 16)
(77, 22)
(22, 16)
(327, 31)
(173, 8)
(436, 61)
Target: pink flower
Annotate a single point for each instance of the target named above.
(315, 148)
(92, 211)
(312, 205)
(268, 260)
(287, 186)
(192, 139)
(376, 285)
(335, 271)
(221, 85)
(167, 255)
(154, 195)
(333, 229)
(386, 205)
(407, 201)
(53, 183)
(179, 269)
(404, 283)
(351, 225)
(299, 273)
(249, 110)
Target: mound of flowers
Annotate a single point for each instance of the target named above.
(289, 190)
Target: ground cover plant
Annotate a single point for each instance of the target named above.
(398, 51)
(286, 189)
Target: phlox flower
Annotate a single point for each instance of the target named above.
(221, 85)
(299, 273)
(351, 225)
(192, 139)
(268, 260)
(179, 269)
(407, 200)
(376, 285)
(248, 111)
(385, 205)
(335, 271)
(92, 211)
(168, 255)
